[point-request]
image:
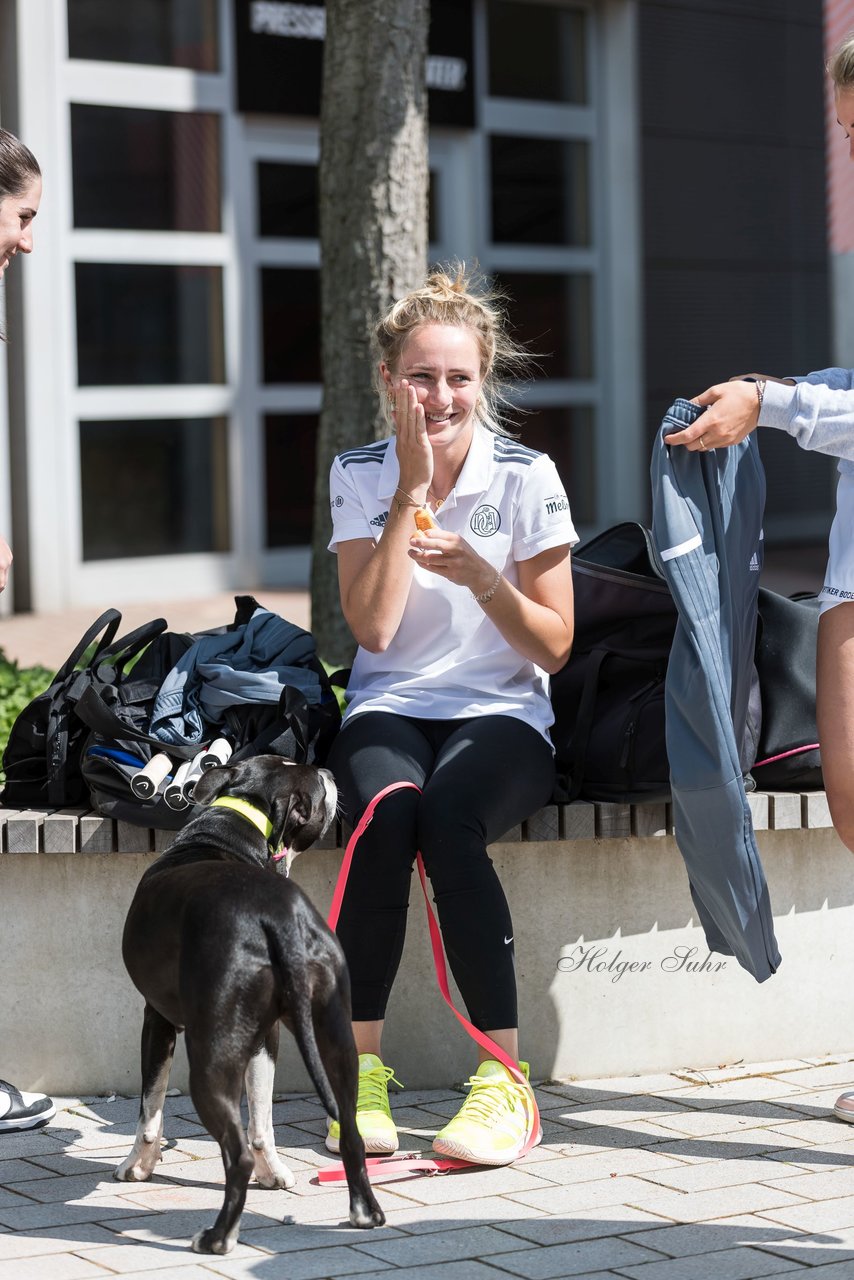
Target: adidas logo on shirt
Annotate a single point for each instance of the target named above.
(754, 565)
(380, 520)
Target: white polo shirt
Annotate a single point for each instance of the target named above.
(447, 660)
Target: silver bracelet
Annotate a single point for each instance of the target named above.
(490, 591)
(760, 385)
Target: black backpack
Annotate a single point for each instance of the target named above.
(43, 753)
(118, 713)
(608, 699)
(788, 758)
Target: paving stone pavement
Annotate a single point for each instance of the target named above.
(729, 1174)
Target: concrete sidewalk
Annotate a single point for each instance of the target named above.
(728, 1174)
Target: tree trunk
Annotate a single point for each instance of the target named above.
(373, 237)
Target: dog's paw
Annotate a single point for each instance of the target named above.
(366, 1216)
(131, 1171)
(211, 1241)
(280, 1179)
(270, 1172)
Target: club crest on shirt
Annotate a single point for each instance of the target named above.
(485, 522)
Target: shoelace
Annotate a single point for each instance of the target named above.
(373, 1089)
(488, 1095)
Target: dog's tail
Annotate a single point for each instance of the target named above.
(303, 1028)
(305, 1038)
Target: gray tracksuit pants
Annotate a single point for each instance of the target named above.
(707, 529)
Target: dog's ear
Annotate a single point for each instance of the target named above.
(212, 783)
(290, 814)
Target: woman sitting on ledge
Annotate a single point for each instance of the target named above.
(459, 619)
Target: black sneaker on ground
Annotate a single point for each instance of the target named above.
(23, 1110)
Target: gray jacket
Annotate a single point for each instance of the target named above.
(707, 529)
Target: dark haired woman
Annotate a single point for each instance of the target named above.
(20, 193)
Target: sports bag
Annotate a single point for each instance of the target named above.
(42, 758)
(121, 742)
(788, 757)
(608, 699)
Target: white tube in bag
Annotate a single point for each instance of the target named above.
(148, 781)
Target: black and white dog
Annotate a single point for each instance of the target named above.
(224, 949)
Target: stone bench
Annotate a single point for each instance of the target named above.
(614, 975)
(83, 831)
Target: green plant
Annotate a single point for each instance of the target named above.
(18, 686)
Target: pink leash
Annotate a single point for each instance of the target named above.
(391, 1165)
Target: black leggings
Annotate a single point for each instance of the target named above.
(479, 778)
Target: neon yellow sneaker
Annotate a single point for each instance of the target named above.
(491, 1127)
(373, 1114)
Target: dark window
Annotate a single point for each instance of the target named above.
(149, 324)
(290, 445)
(146, 170)
(540, 191)
(290, 302)
(737, 278)
(567, 435)
(537, 51)
(287, 200)
(164, 33)
(154, 488)
(552, 315)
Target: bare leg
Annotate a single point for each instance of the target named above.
(368, 1037)
(507, 1039)
(835, 714)
(158, 1049)
(270, 1171)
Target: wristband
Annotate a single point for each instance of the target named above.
(760, 385)
(490, 591)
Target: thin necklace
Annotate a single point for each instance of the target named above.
(438, 501)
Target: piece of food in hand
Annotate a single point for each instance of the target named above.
(424, 519)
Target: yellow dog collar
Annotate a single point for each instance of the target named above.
(247, 811)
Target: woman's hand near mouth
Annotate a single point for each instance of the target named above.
(414, 453)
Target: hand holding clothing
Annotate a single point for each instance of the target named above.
(733, 414)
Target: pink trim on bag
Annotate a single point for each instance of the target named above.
(784, 755)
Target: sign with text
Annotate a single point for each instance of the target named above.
(280, 58)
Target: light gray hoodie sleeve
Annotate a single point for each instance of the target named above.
(818, 412)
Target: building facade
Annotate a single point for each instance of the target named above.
(657, 222)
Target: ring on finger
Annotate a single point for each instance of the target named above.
(703, 444)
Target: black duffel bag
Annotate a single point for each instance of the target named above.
(608, 699)
(788, 758)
